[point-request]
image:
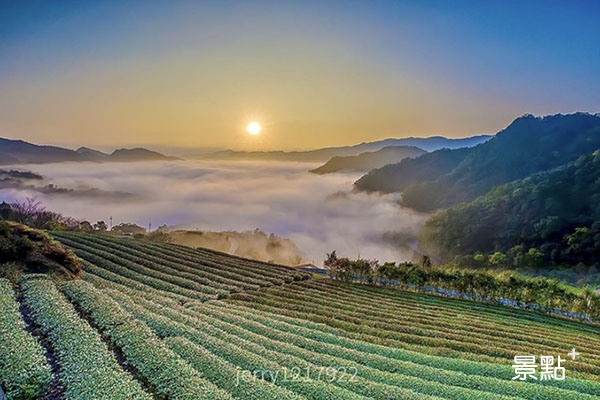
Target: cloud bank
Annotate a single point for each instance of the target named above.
(318, 213)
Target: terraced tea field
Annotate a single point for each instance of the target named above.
(161, 321)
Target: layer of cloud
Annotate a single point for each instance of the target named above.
(318, 213)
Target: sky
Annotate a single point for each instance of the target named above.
(193, 74)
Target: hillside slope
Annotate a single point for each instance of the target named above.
(398, 176)
(556, 210)
(146, 322)
(369, 160)
(528, 145)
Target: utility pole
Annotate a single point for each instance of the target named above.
(149, 227)
(110, 224)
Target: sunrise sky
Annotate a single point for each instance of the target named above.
(193, 74)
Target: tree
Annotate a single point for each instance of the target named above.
(426, 261)
(128, 229)
(100, 226)
(535, 258)
(31, 212)
(85, 226)
(5, 210)
(498, 259)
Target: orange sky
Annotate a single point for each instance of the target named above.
(313, 74)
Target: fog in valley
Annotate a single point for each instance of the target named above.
(317, 213)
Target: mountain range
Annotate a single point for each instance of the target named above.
(20, 152)
(324, 154)
(368, 160)
(528, 145)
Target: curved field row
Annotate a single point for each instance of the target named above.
(232, 259)
(189, 322)
(220, 372)
(430, 326)
(396, 329)
(202, 292)
(168, 374)
(359, 326)
(476, 320)
(183, 253)
(127, 282)
(24, 370)
(263, 266)
(513, 318)
(318, 349)
(231, 277)
(494, 372)
(88, 368)
(188, 254)
(157, 264)
(289, 274)
(459, 309)
(510, 316)
(141, 277)
(164, 327)
(460, 379)
(393, 359)
(450, 322)
(266, 352)
(228, 276)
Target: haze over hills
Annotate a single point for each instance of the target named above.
(19, 151)
(369, 160)
(528, 145)
(324, 154)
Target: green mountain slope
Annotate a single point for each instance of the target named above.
(557, 211)
(528, 145)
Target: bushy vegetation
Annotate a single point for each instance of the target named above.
(88, 369)
(35, 251)
(551, 218)
(168, 374)
(537, 293)
(24, 370)
(195, 273)
(31, 213)
(144, 322)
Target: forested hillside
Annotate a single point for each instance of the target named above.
(555, 213)
(397, 177)
(528, 145)
(369, 160)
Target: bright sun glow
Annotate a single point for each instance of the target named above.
(253, 128)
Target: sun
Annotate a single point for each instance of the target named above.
(253, 128)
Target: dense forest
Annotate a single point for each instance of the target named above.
(550, 218)
(528, 145)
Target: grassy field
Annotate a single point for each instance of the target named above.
(161, 321)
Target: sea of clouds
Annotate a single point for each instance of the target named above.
(319, 213)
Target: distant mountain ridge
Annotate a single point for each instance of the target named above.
(369, 160)
(324, 154)
(20, 152)
(528, 145)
